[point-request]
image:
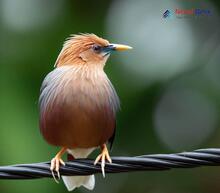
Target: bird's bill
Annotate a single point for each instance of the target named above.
(119, 47)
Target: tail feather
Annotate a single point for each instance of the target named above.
(72, 182)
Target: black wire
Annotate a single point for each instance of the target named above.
(155, 162)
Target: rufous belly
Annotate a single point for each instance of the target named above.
(75, 125)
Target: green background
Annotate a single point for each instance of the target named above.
(31, 36)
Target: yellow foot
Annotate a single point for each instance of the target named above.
(55, 164)
(102, 157)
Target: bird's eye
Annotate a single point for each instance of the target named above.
(97, 48)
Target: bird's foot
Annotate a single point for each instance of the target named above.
(55, 164)
(102, 157)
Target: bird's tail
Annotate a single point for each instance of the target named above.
(72, 182)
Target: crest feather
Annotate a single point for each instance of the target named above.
(77, 43)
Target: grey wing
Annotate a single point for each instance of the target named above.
(49, 86)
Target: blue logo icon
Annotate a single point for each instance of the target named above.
(167, 14)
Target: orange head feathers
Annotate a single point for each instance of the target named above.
(86, 48)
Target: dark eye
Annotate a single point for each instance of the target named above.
(97, 48)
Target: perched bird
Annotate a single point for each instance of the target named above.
(78, 104)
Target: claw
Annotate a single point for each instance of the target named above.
(55, 165)
(102, 157)
(54, 177)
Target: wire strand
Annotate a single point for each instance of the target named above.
(154, 162)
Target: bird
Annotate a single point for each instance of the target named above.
(78, 104)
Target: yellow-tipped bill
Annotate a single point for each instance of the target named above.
(120, 47)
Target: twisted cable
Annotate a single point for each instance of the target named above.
(154, 162)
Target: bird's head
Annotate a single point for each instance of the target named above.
(87, 49)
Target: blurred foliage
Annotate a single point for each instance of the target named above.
(28, 54)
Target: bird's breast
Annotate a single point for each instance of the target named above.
(77, 107)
